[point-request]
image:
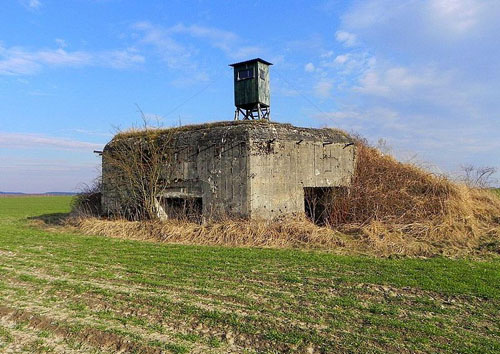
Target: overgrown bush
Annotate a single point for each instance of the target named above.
(136, 172)
(398, 208)
(386, 190)
(87, 203)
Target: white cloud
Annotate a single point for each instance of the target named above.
(309, 67)
(401, 82)
(89, 132)
(61, 43)
(340, 115)
(368, 13)
(323, 88)
(22, 140)
(243, 53)
(348, 39)
(327, 54)
(59, 57)
(416, 133)
(407, 21)
(35, 4)
(218, 38)
(31, 4)
(422, 74)
(341, 59)
(174, 54)
(120, 58)
(278, 59)
(457, 15)
(37, 166)
(65, 173)
(189, 80)
(17, 65)
(287, 92)
(177, 55)
(19, 61)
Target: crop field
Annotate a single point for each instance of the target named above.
(65, 292)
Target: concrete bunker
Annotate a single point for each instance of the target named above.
(244, 169)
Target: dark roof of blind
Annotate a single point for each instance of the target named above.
(251, 61)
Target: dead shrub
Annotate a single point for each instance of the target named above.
(386, 190)
(136, 173)
(87, 203)
(478, 177)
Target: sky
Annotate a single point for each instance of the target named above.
(420, 76)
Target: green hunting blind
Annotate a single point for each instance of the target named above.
(251, 89)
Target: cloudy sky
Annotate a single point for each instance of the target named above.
(423, 75)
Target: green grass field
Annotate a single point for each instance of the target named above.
(65, 292)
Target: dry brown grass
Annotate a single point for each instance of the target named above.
(397, 208)
(279, 233)
(386, 190)
(392, 209)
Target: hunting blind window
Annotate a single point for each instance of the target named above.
(262, 74)
(245, 74)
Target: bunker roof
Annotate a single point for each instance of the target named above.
(257, 129)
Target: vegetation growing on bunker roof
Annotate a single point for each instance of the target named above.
(155, 132)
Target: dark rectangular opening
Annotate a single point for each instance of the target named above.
(319, 202)
(245, 74)
(184, 208)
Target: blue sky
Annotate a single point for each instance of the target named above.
(423, 75)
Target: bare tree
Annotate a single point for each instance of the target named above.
(383, 146)
(88, 201)
(478, 177)
(136, 170)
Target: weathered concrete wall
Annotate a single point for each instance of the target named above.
(217, 167)
(208, 162)
(284, 160)
(250, 169)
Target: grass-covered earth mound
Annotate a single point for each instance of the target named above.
(398, 208)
